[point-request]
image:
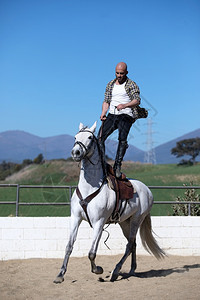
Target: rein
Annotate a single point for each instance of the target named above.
(118, 186)
(84, 202)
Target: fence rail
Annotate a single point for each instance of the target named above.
(71, 188)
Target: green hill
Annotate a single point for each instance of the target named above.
(67, 172)
(62, 172)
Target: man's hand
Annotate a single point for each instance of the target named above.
(102, 117)
(130, 104)
(121, 106)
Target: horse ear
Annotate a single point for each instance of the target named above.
(81, 126)
(93, 127)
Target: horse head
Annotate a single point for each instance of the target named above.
(84, 142)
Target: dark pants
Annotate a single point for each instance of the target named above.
(121, 122)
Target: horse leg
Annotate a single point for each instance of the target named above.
(98, 228)
(129, 231)
(73, 234)
(115, 272)
(133, 259)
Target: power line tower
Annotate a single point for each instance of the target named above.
(150, 155)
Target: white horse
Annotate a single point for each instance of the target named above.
(102, 200)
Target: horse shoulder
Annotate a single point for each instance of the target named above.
(76, 208)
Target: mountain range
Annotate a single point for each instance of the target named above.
(16, 145)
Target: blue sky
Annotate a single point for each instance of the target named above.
(56, 57)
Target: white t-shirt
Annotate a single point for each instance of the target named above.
(119, 96)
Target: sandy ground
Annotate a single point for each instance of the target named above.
(171, 278)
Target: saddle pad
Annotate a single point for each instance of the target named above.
(124, 187)
(126, 190)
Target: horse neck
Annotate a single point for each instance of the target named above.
(91, 174)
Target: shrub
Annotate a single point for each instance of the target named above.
(190, 195)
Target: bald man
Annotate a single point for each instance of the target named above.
(122, 96)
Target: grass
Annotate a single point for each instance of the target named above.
(61, 172)
(165, 175)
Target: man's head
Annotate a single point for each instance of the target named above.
(121, 72)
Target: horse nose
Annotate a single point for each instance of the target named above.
(75, 153)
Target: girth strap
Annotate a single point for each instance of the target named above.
(116, 212)
(84, 202)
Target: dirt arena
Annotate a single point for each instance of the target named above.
(174, 278)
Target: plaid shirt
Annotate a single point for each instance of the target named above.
(131, 89)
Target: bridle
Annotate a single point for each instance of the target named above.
(87, 149)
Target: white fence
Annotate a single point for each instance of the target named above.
(46, 237)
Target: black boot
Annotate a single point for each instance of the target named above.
(121, 150)
(103, 157)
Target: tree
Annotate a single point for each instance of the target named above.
(26, 162)
(39, 159)
(189, 147)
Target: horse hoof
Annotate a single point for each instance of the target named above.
(113, 276)
(99, 270)
(58, 279)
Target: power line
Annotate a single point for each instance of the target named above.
(150, 155)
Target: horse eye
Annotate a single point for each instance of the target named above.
(90, 137)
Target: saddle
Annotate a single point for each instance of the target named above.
(123, 189)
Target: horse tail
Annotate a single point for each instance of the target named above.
(148, 241)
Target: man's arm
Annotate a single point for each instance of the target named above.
(105, 107)
(130, 104)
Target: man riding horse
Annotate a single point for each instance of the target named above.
(122, 97)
